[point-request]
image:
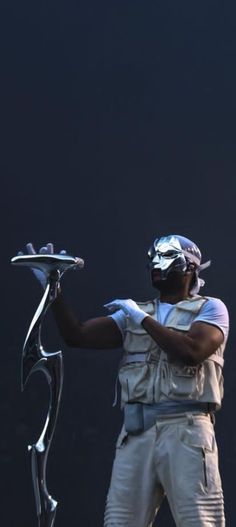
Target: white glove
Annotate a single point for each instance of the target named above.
(130, 308)
(48, 249)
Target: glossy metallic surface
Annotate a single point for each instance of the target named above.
(35, 358)
(166, 254)
(175, 253)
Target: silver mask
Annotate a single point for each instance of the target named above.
(176, 253)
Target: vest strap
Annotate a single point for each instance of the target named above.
(142, 357)
(134, 357)
(217, 358)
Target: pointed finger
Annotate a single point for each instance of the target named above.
(50, 248)
(30, 248)
(112, 306)
(43, 250)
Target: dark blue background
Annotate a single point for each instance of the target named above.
(117, 125)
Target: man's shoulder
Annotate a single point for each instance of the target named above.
(214, 302)
(214, 311)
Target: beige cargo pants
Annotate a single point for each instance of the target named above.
(178, 458)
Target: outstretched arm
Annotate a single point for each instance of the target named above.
(95, 333)
(99, 333)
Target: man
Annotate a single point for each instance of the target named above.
(171, 385)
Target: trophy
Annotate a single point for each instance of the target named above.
(35, 358)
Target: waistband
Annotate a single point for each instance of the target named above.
(138, 417)
(174, 407)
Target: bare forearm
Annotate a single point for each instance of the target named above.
(95, 333)
(67, 323)
(178, 346)
(191, 348)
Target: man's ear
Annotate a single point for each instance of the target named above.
(191, 266)
(193, 278)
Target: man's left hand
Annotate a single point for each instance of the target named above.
(130, 308)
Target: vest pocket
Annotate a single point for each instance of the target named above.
(134, 380)
(138, 341)
(179, 381)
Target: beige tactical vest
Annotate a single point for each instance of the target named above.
(147, 376)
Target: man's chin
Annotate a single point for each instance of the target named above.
(170, 284)
(159, 283)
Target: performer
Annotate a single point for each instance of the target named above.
(171, 386)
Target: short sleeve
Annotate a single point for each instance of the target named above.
(215, 312)
(120, 319)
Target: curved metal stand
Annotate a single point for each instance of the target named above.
(35, 358)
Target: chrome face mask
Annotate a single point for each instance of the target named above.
(166, 255)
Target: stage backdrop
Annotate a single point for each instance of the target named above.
(117, 126)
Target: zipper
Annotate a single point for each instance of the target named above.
(204, 467)
(127, 387)
(157, 366)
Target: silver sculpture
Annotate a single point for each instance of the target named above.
(35, 358)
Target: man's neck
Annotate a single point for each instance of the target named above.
(175, 288)
(173, 298)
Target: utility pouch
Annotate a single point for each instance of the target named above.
(133, 418)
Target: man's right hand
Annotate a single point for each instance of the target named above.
(97, 333)
(47, 249)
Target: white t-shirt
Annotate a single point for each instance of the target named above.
(214, 312)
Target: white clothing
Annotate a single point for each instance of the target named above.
(214, 312)
(178, 458)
